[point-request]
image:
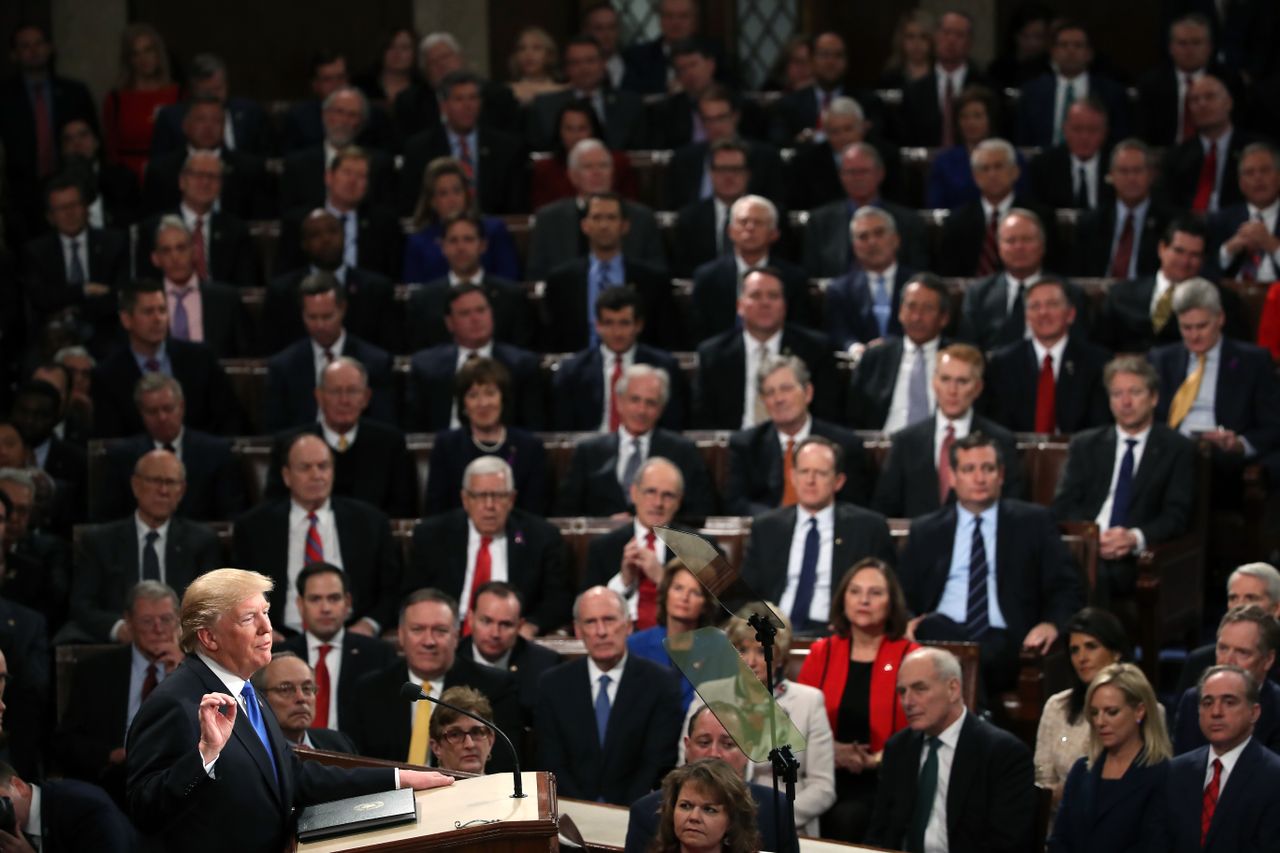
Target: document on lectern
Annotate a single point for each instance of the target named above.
(356, 814)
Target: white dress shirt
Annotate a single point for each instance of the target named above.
(1163, 283)
(607, 360)
(954, 603)
(625, 440)
(820, 604)
(298, 524)
(911, 352)
(752, 348)
(497, 563)
(1269, 266)
(81, 242)
(141, 529)
(962, 425)
(1090, 167)
(1055, 352)
(333, 438)
(332, 662)
(957, 78)
(1013, 286)
(190, 216)
(640, 534)
(1104, 513)
(1080, 90)
(615, 675)
(318, 357)
(1002, 208)
(1228, 759)
(935, 833)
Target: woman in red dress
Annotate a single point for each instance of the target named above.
(129, 110)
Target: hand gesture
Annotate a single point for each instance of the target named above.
(1041, 637)
(421, 780)
(217, 718)
(14, 843)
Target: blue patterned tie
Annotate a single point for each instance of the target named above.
(918, 390)
(259, 725)
(975, 620)
(880, 303)
(602, 708)
(1124, 487)
(808, 577)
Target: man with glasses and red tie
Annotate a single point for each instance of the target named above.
(289, 687)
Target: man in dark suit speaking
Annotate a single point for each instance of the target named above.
(239, 787)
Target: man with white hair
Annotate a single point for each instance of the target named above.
(417, 108)
(200, 309)
(557, 229)
(305, 125)
(345, 113)
(814, 171)
(1251, 583)
(621, 113)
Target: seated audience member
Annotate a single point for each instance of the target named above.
(799, 115)
(370, 459)
(573, 286)
(1118, 238)
(28, 682)
(621, 112)
(911, 47)
(497, 640)
(707, 806)
(1194, 814)
(1128, 757)
(834, 534)
(493, 161)
(1070, 173)
(36, 405)
(1095, 640)
(950, 780)
(240, 189)
(928, 102)
(1010, 583)
(79, 364)
(558, 237)
(371, 233)
(37, 564)
(1244, 234)
(604, 467)
(1248, 637)
(703, 222)
(200, 309)
(445, 196)
(976, 117)
(245, 128)
(813, 176)
(1051, 381)
(75, 266)
(432, 384)
(393, 69)
(855, 670)
(600, 21)
(371, 312)
(486, 539)
(281, 537)
(970, 235)
(752, 232)
(584, 390)
(727, 394)
(760, 458)
(690, 174)
(417, 108)
(482, 386)
(289, 687)
(1252, 583)
(682, 607)
(90, 740)
(144, 314)
(215, 489)
(151, 545)
(994, 312)
(674, 115)
(458, 742)
(1138, 314)
(338, 657)
(64, 815)
(648, 63)
(1163, 118)
(549, 181)
(892, 384)
(827, 248)
(71, 425)
(143, 86)
(918, 475)
(464, 244)
(304, 122)
(377, 720)
(1044, 108)
(293, 390)
(1191, 174)
(863, 304)
(110, 190)
(1140, 494)
(534, 65)
(607, 724)
(305, 180)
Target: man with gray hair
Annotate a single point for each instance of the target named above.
(347, 119)
(604, 467)
(1252, 583)
(489, 539)
(1118, 238)
(245, 128)
(417, 108)
(1244, 235)
(862, 305)
(621, 112)
(200, 309)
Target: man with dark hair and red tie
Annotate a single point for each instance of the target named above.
(1200, 172)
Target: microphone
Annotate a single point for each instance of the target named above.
(413, 693)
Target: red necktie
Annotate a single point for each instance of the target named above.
(1124, 249)
(788, 488)
(1210, 801)
(1045, 394)
(989, 259)
(482, 575)
(614, 418)
(944, 464)
(1188, 130)
(197, 249)
(44, 132)
(149, 683)
(321, 720)
(647, 603)
(1208, 177)
(948, 114)
(313, 550)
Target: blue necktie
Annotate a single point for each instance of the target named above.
(602, 708)
(880, 303)
(918, 390)
(1124, 487)
(181, 328)
(75, 272)
(259, 725)
(975, 620)
(808, 578)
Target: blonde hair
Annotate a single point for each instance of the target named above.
(213, 594)
(1130, 681)
(132, 33)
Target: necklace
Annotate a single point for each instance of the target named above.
(489, 447)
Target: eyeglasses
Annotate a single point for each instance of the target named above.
(165, 482)
(489, 497)
(457, 736)
(150, 622)
(288, 688)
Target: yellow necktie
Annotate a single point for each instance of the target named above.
(343, 444)
(1164, 310)
(1187, 393)
(421, 727)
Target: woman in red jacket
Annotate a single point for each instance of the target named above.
(857, 671)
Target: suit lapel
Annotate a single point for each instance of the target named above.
(517, 555)
(242, 729)
(844, 547)
(607, 471)
(964, 770)
(937, 580)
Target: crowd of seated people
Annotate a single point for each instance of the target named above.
(441, 356)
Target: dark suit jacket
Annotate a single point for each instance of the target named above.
(381, 723)
(721, 382)
(46, 285)
(1013, 376)
(379, 239)
(921, 113)
(1163, 494)
(180, 807)
(25, 644)
(454, 450)
(230, 253)
(908, 483)
(591, 486)
(370, 557)
(1246, 817)
(1120, 822)
(430, 391)
(624, 125)
(697, 242)
(291, 383)
(646, 68)
(513, 318)
(535, 562)
(828, 251)
(813, 175)
(76, 817)
(871, 385)
(332, 741)
(965, 230)
(109, 564)
(89, 731)
(987, 323)
(566, 327)
(640, 742)
(527, 663)
(371, 310)
(1158, 101)
(1053, 184)
(70, 99)
(215, 481)
(226, 321)
(302, 181)
(361, 655)
(990, 802)
(688, 166)
(211, 405)
(1222, 227)
(850, 315)
(642, 823)
(375, 468)
(577, 389)
(1180, 173)
(500, 168)
(417, 108)
(244, 184)
(1125, 321)
(248, 121)
(557, 237)
(1096, 233)
(715, 295)
(755, 468)
(1186, 732)
(859, 533)
(1037, 103)
(797, 111)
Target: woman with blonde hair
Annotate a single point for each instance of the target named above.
(912, 54)
(445, 194)
(144, 86)
(706, 807)
(534, 65)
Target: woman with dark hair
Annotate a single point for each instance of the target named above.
(682, 607)
(550, 182)
(857, 671)
(1095, 639)
(912, 55)
(1025, 53)
(13, 450)
(457, 741)
(445, 194)
(793, 69)
(706, 808)
(395, 70)
(143, 87)
(110, 190)
(482, 387)
(977, 117)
